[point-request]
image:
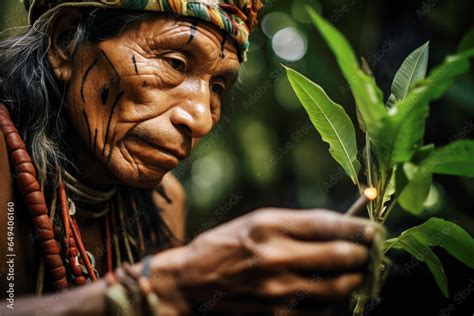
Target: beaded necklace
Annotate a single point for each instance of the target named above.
(67, 262)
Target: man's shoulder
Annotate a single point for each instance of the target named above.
(6, 193)
(14, 223)
(4, 163)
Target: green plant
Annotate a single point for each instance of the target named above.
(396, 161)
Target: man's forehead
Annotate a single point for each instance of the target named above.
(182, 26)
(192, 35)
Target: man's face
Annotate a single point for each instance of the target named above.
(139, 100)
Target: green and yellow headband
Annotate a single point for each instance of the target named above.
(236, 18)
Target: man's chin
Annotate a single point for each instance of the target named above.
(143, 179)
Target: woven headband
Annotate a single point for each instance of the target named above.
(236, 18)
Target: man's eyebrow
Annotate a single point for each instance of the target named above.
(178, 40)
(231, 76)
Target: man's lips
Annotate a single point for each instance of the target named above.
(179, 154)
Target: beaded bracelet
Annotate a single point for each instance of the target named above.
(118, 302)
(127, 290)
(151, 302)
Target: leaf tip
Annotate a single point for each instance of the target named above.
(289, 71)
(315, 16)
(310, 9)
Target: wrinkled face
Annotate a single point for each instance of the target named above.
(139, 100)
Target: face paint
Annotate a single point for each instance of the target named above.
(85, 78)
(161, 190)
(95, 141)
(112, 110)
(109, 156)
(88, 127)
(104, 96)
(117, 76)
(194, 26)
(135, 64)
(141, 121)
(224, 39)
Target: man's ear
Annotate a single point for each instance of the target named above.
(62, 30)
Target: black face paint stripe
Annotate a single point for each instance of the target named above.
(117, 76)
(110, 150)
(95, 141)
(104, 95)
(135, 64)
(110, 120)
(161, 190)
(224, 39)
(194, 26)
(85, 78)
(88, 126)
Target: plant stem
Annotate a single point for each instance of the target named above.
(370, 206)
(359, 308)
(389, 209)
(384, 183)
(369, 165)
(381, 192)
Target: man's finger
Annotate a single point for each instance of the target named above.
(291, 286)
(316, 256)
(318, 225)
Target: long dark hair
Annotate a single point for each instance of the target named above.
(35, 98)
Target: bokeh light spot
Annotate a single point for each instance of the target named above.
(289, 44)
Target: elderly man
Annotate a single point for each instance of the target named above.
(100, 101)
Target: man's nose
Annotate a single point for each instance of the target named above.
(193, 114)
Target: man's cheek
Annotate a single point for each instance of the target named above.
(98, 95)
(139, 84)
(110, 97)
(140, 106)
(91, 136)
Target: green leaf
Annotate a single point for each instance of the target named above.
(436, 232)
(414, 185)
(402, 131)
(364, 65)
(416, 191)
(424, 254)
(467, 42)
(391, 101)
(412, 69)
(390, 190)
(398, 137)
(422, 153)
(330, 120)
(366, 93)
(456, 158)
(439, 232)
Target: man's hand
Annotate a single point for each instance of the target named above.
(270, 260)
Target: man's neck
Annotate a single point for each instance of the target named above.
(88, 169)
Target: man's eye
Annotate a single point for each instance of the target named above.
(218, 88)
(176, 64)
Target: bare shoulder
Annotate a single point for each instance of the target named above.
(6, 197)
(6, 194)
(16, 234)
(170, 198)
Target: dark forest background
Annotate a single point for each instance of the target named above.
(265, 152)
